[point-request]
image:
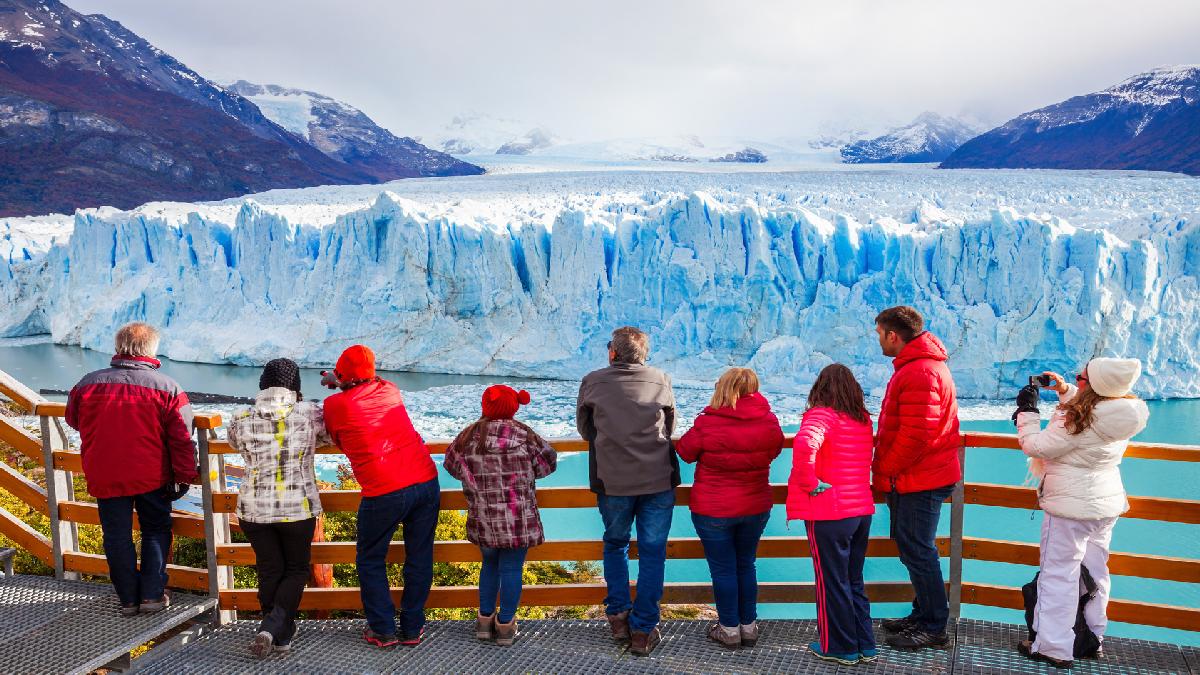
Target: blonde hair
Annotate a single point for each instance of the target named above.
(137, 339)
(734, 384)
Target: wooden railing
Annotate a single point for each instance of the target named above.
(217, 524)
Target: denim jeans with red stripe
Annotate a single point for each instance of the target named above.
(839, 550)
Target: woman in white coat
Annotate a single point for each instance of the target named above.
(1077, 459)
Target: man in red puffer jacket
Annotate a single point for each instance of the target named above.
(368, 422)
(916, 466)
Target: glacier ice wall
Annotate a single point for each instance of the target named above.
(473, 286)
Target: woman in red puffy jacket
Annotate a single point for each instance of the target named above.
(733, 442)
(830, 490)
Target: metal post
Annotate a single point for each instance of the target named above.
(957, 502)
(216, 526)
(64, 536)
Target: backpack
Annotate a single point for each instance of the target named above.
(1086, 642)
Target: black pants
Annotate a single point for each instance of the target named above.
(282, 551)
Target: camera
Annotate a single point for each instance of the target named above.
(1043, 380)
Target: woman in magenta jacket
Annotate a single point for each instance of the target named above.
(830, 490)
(733, 442)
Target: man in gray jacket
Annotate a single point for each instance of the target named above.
(626, 412)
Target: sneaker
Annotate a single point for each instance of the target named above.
(641, 643)
(152, 606)
(485, 627)
(918, 639)
(898, 625)
(619, 625)
(409, 640)
(729, 638)
(379, 639)
(285, 645)
(749, 633)
(506, 633)
(1026, 649)
(844, 659)
(129, 610)
(868, 655)
(262, 645)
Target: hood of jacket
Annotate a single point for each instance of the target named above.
(924, 346)
(749, 407)
(274, 403)
(1120, 418)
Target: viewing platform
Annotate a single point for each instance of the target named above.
(64, 624)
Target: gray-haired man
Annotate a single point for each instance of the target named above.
(626, 412)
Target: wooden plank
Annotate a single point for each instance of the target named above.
(332, 552)
(18, 393)
(22, 488)
(1143, 613)
(1145, 508)
(25, 442)
(182, 524)
(65, 460)
(1164, 451)
(178, 576)
(559, 595)
(26, 537)
(1128, 564)
(206, 420)
(50, 409)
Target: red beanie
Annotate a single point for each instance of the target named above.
(356, 363)
(500, 402)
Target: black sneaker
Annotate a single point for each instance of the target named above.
(918, 639)
(898, 625)
(380, 639)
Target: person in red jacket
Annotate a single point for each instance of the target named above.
(368, 422)
(733, 443)
(830, 490)
(135, 436)
(916, 466)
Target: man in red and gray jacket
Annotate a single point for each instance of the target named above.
(135, 435)
(916, 466)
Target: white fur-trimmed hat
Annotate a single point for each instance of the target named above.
(1113, 378)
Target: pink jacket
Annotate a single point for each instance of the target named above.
(836, 448)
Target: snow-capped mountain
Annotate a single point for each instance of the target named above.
(479, 134)
(930, 138)
(345, 133)
(526, 275)
(1150, 121)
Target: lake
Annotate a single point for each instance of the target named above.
(440, 405)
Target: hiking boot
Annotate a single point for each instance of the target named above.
(619, 625)
(485, 627)
(898, 625)
(641, 644)
(380, 639)
(918, 639)
(152, 606)
(262, 645)
(411, 640)
(749, 633)
(845, 659)
(868, 655)
(729, 638)
(506, 632)
(1026, 649)
(129, 610)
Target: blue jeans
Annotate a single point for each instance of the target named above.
(653, 515)
(416, 506)
(116, 522)
(914, 522)
(731, 547)
(501, 574)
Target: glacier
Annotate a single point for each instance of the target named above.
(527, 274)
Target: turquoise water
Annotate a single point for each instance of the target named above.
(439, 402)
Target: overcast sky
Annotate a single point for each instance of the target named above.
(617, 68)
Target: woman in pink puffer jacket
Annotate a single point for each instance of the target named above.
(830, 490)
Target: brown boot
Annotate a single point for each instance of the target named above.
(749, 633)
(641, 644)
(506, 632)
(485, 627)
(619, 624)
(729, 638)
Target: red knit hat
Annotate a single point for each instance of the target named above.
(500, 402)
(356, 363)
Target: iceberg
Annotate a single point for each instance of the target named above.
(526, 275)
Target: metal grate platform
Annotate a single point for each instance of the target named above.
(51, 626)
(583, 647)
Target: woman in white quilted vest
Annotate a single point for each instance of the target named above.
(1077, 459)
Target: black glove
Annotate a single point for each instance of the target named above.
(178, 490)
(1027, 401)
